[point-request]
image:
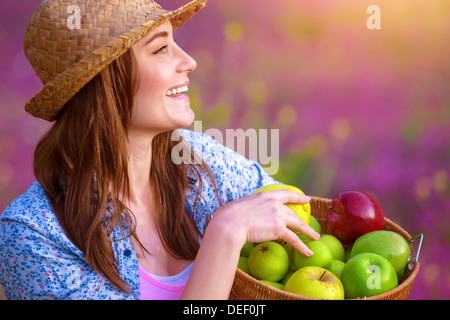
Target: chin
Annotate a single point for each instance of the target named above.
(185, 120)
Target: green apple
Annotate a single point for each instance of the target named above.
(243, 265)
(368, 274)
(246, 249)
(287, 276)
(301, 210)
(313, 223)
(268, 261)
(315, 282)
(273, 284)
(288, 249)
(322, 256)
(336, 267)
(386, 243)
(335, 246)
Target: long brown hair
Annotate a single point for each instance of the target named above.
(82, 164)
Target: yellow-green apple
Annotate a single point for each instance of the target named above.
(313, 223)
(388, 244)
(353, 213)
(287, 276)
(273, 284)
(336, 267)
(268, 261)
(335, 246)
(243, 265)
(246, 249)
(321, 257)
(301, 210)
(315, 282)
(368, 274)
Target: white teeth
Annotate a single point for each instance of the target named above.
(177, 90)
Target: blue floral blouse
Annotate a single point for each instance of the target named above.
(38, 261)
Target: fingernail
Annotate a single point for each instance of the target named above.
(307, 198)
(318, 236)
(310, 252)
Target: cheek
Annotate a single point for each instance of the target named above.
(148, 98)
(148, 85)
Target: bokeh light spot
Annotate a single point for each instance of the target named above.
(233, 30)
(423, 187)
(440, 180)
(340, 128)
(287, 115)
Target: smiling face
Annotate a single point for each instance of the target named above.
(161, 103)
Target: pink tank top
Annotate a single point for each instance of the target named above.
(154, 287)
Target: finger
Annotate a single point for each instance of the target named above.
(294, 222)
(286, 196)
(297, 244)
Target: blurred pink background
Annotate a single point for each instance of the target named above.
(355, 108)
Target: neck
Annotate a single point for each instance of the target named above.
(139, 164)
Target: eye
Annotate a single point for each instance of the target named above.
(163, 49)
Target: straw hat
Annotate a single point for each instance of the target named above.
(66, 56)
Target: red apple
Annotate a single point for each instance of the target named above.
(352, 214)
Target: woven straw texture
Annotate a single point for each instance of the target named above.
(246, 287)
(66, 58)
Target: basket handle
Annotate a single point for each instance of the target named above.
(412, 262)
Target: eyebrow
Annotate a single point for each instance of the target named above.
(161, 34)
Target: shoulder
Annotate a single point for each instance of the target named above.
(213, 152)
(229, 166)
(202, 143)
(236, 176)
(33, 211)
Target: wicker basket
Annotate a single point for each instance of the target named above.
(245, 287)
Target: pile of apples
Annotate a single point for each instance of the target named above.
(354, 258)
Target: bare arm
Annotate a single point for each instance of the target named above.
(257, 218)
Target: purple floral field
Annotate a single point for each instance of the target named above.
(355, 108)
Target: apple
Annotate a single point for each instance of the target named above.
(368, 274)
(243, 265)
(386, 243)
(335, 246)
(289, 250)
(268, 261)
(287, 276)
(273, 284)
(336, 267)
(301, 210)
(246, 249)
(315, 282)
(352, 214)
(322, 256)
(315, 225)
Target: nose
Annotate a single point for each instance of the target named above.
(187, 63)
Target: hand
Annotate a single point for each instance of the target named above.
(264, 217)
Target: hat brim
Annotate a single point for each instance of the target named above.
(49, 100)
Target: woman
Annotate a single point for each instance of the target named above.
(111, 215)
